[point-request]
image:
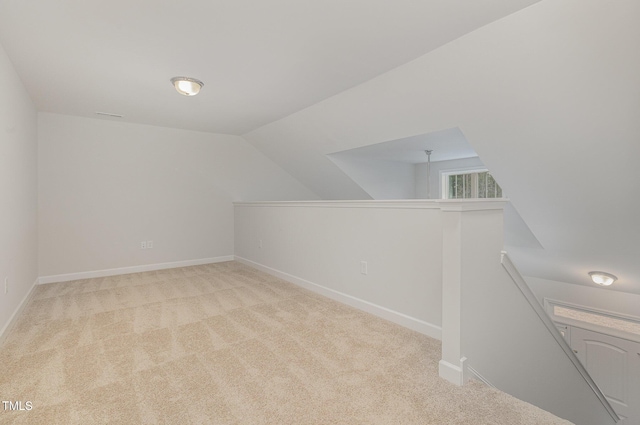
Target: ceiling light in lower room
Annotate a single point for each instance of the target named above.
(187, 86)
(602, 278)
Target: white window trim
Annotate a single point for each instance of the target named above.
(444, 177)
(549, 305)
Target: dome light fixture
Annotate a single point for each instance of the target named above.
(187, 86)
(602, 278)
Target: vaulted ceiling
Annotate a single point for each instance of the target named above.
(547, 93)
(260, 60)
(549, 97)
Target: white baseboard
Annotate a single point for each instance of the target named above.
(16, 313)
(401, 319)
(133, 269)
(451, 372)
(473, 374)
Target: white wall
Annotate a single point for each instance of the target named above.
(388, 179)
(321, 246)
(542, 95)
(381, 179)
(436, 168)
(516, 232)
(504, 338)
(600, 298)
(433, 266)
(105, 186)
(508, 344)
(18, 191)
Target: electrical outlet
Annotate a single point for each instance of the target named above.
(149, 244)
(143, 245)
(6, 284)
(260, 243)
(363, 267)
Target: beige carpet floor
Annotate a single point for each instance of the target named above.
(226, 344)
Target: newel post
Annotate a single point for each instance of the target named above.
(458, 216)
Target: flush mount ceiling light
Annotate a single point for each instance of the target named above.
(187, 86)
(602, 278)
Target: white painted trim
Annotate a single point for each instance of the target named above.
(474, 204)
(550, 303)
(444, 174)
(401, 319)
(133, 269)
(451, 372)
(369, 203)
(7, 328)
(472, 373)
(464, 170)
(443, 204)
(477, 204)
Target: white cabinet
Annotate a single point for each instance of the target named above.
(614, 365)
(565, 331)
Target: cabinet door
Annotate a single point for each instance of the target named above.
(614, 365)
(565, 331)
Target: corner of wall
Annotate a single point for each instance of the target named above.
(18, 189)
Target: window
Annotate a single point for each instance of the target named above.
(607, 322)
(470, 184)
(597, 319)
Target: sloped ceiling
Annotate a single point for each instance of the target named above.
(549, 97)
(445, 145)
(260, 60)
